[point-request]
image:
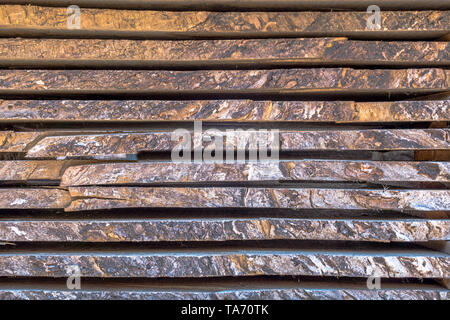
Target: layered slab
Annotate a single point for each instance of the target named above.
(11, 141)
(221, 229)
(94, 198)
(119, 145)
(27, 171)
(216, 81)
(238, 262)
(36, 198)
(302, 170)
(96, 22)
(222, 110)
(201, 53)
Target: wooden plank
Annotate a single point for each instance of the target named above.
(119, 145)
(48, 198)
(222, 110)
(11, 141)
(301, 170)
(220, 81)
(34, 20)
(94, 198)
(225, 53)
(241, 4)
(224, 229)
(237, 262)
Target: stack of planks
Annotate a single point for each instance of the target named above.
(360, 189)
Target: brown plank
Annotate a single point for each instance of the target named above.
(48, 198)
(26, 171)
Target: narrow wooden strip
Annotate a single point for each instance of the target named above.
(227, 294)
(391, 264)
(241, 4)
(112, 81)
(92, 198)
(24, 171)
(16, 141)
(303, 170)
(33, 198)
(201, 53)
(95, 22)
(225, 230)
(222, 110)
(119, 145)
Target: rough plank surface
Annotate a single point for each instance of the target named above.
(201, 23)
(228, 294)
(23, 171)
(224, 229)
(392, 264)
(97, 52)
(119, 145)
(50, 198)
(92, 198)
(15, 81)
(302, 170)
(222, 110)
(16, 141)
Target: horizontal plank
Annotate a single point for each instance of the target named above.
(227, 293)
(94, 198)
(33, 20)
(222, 110)
(203, 53)
(245, 262)
(26, 171)
(11, 141)
(119, 145)
(36, 198)
(302, 170)
(220, 229)
(240, 4)
(219, 81)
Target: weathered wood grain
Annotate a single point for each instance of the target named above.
(259, 293)
(119, 145)
(224, 229)
(223, 110)
(390, 263)
(11, 141)
(93, 198)
(201, 53)
(301, 170)
(24, 171)
(42, 198)
(95, 22)
(216, 81)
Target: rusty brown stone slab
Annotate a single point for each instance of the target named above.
(49, 198)
(302, 170)
(93, 198)
(24, 171)
(119, 145)
(201, 53)
(225, 229)
(95, 22)
(222, 110)
(16, 141)
(229, 262)
(216, 81)
(258, 293)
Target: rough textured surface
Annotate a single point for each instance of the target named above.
(49, 198)
(80, 52)
(228, 294)
(119, 145)
(220, 80)
(221, 229)
(307, 170)
(201, 22)
(16, 141)
(91, 198)
(222, 110)
(427, 264)
(23, 171)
